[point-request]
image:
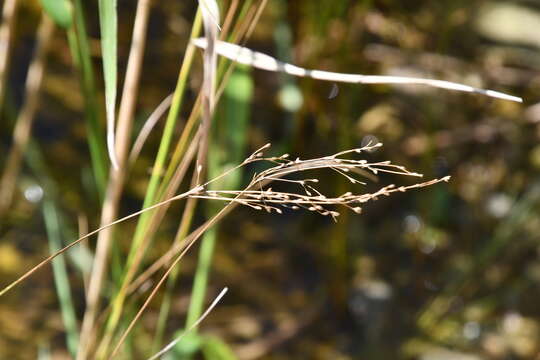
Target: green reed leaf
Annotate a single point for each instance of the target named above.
(60, 11)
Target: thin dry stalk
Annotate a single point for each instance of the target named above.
(201, 318)
(242, 36)
(94, 232)
(172, 187)
(27, 114)
(258, 13)
(181, 240)
(116, 177)
(148, 127)
(82, 221)
(179, 245)
(228, 19)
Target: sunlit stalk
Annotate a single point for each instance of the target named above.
(116, 179)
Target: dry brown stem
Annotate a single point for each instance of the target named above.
(116, 177)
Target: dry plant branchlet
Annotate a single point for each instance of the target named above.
(311, 199)
(256, 196)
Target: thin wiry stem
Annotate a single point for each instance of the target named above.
(258, 13)
(180, 243)
(187, 217)
(228, 18)
(210, 14)
(201, 318)
(86, 236)
(147, 128)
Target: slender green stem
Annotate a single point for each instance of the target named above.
(61, 279)
(229, 132)
(200, 282)
(172, 117)
(80, 51)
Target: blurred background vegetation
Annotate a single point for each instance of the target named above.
(446, 272)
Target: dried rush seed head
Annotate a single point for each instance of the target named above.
(308, 197)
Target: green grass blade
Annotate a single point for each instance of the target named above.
(60, 12)
(109, 30)
(61, 277)
(80, 50)
(200, 282)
